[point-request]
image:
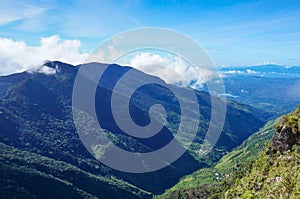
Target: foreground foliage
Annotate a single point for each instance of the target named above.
(276, 173)
(256, 169)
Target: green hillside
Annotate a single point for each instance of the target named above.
(31, 175)
(276, 172)
(36, 120)
(254, 169)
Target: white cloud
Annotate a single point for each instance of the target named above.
(108, 55)
(173, 70)
(17, 56)
(264, 63)
(232, 72)
(251, 71)
(47, 70)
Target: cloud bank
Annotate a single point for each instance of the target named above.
(173, 70)
(17, 56)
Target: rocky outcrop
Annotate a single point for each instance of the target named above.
(287, 132)
(284, 138)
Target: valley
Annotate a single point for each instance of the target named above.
(39, 140)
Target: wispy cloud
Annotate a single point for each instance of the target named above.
(96, 18)
(18, 10)
(134, 21)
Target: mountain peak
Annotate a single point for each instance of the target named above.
(56, 64)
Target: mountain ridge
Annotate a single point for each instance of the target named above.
(31, 125)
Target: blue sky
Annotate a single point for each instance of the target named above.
(232, 32)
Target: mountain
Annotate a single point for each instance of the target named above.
(275, 173)
(204, 182)
(268, 70)
(26, 174)
(270, 88)
(38, 138)
(264, 166)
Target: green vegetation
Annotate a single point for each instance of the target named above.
(293, 120)
(276, 176)
(36, 120)
(31, 175)
(210, 179)
(255, 169)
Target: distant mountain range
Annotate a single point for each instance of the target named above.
(43, 156)
(271, 88)
(269, 70)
